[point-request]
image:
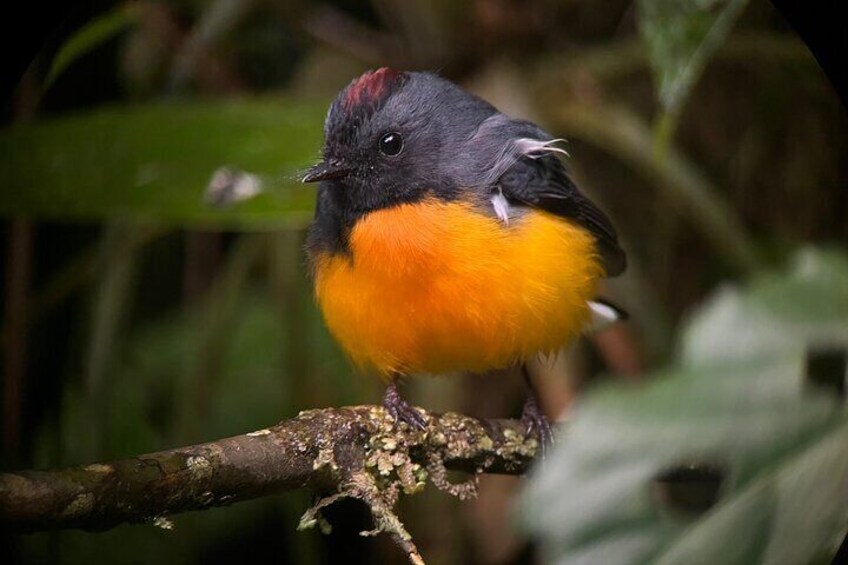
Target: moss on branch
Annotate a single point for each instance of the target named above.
(355, 451)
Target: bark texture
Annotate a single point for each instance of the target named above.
(355, 451)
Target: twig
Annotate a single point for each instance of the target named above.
(618, 60)
(355, 452)
(195, 56)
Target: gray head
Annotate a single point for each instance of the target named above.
(393, 137)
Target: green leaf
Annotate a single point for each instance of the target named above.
(806, 307)
(736, 404)
(97, 32)
(681, 36)
(155, 162)
(789, 516)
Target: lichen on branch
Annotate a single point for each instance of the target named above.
(357, 452)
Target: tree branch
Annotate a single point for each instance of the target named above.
(354, 452)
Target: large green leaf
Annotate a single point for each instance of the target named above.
(737, 404)
(155, 162)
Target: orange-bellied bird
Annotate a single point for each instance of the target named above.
(449, 236)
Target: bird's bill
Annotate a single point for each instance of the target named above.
(326, 171)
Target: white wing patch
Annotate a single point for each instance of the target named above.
(535, 148)
(522, 146)
(501, 206)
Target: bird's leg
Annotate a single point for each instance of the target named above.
(533, 418)
(400, 410)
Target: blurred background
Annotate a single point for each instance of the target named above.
(155, 291)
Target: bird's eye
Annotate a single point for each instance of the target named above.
(391, 144)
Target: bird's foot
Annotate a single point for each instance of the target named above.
(401, 410)
(534, 420)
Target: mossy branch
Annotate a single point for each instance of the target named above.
(354, 452)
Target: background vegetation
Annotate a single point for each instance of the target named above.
(141, 313)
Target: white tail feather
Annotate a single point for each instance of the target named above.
(603, 315)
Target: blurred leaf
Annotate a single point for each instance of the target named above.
(596, 500)
(681, 36)
(807, 307)
(776, 450)
(156, 162)
(788, 516)
(97, 32)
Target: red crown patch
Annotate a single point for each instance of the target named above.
(372, 87)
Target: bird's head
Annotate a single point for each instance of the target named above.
(393, 136)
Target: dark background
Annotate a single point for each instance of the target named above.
(784, 181)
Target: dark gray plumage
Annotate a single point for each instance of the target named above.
(455, 145)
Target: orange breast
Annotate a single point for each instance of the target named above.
(437, 287)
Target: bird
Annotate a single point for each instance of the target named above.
(449, 237)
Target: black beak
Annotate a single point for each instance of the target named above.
(327, 170)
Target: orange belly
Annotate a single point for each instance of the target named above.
(436, 287)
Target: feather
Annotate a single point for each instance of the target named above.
(535, 148)
(604, 314)
(501, 206)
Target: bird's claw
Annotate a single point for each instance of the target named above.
(401, 410)
(535, 421)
